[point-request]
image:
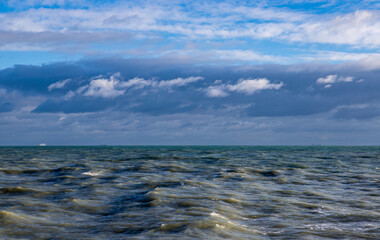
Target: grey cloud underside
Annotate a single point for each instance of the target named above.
(300, 94)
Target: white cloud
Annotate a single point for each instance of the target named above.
(216, 91)
(247, 55)
(21, 47)
(247, 86)
(113, 86)
(346, 79)
(339, 56)
(31, 3)
(58, 85)
(137, 83)
(361, 28)
(177, 82)
(353, 106)
(368, 64)
(267, 13)
(52, 29)
(69, 95)
(103, 87)
(250, 86)
(330, 79)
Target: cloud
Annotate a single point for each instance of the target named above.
(358, 111)
(358, 28)
(330, 79)
(247, 86)
(124, 128)
(281, 110)
(177, 82)
(246, 55)
(250, 86)
(137, 83)
(53, 28)
(367, 64)
(5, 107)
(16, 101)
(213, 33)
(49, 3)
(340, 56)
(280, 104)
(30, 78)
(58, 85)
(77, 104)
(160, 87)
(277, 14)
(216, 91)
(66, 41)
(327, 79)
(103, 87)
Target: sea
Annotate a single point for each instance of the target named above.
(190, 192)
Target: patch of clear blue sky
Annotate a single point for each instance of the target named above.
(4, 7)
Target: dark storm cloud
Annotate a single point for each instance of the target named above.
(36, 79)
(162, 86)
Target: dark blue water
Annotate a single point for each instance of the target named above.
(180, 192)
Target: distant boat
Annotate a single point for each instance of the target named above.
(42, 144)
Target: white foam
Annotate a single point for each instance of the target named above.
(92, 173)
(323, 226)
(220, 226)
(217, 215)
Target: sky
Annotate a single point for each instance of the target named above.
(181, 72)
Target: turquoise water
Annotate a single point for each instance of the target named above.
(180, 192)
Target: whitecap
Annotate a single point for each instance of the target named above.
(92, 174)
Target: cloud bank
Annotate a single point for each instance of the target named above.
(124, 101)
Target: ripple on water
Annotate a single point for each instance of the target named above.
(189, 193)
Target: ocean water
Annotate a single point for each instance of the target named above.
(182, 192)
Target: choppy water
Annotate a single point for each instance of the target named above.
(189, 193)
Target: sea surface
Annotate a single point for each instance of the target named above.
(190, 192)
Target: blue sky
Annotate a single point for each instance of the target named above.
(189, 72)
